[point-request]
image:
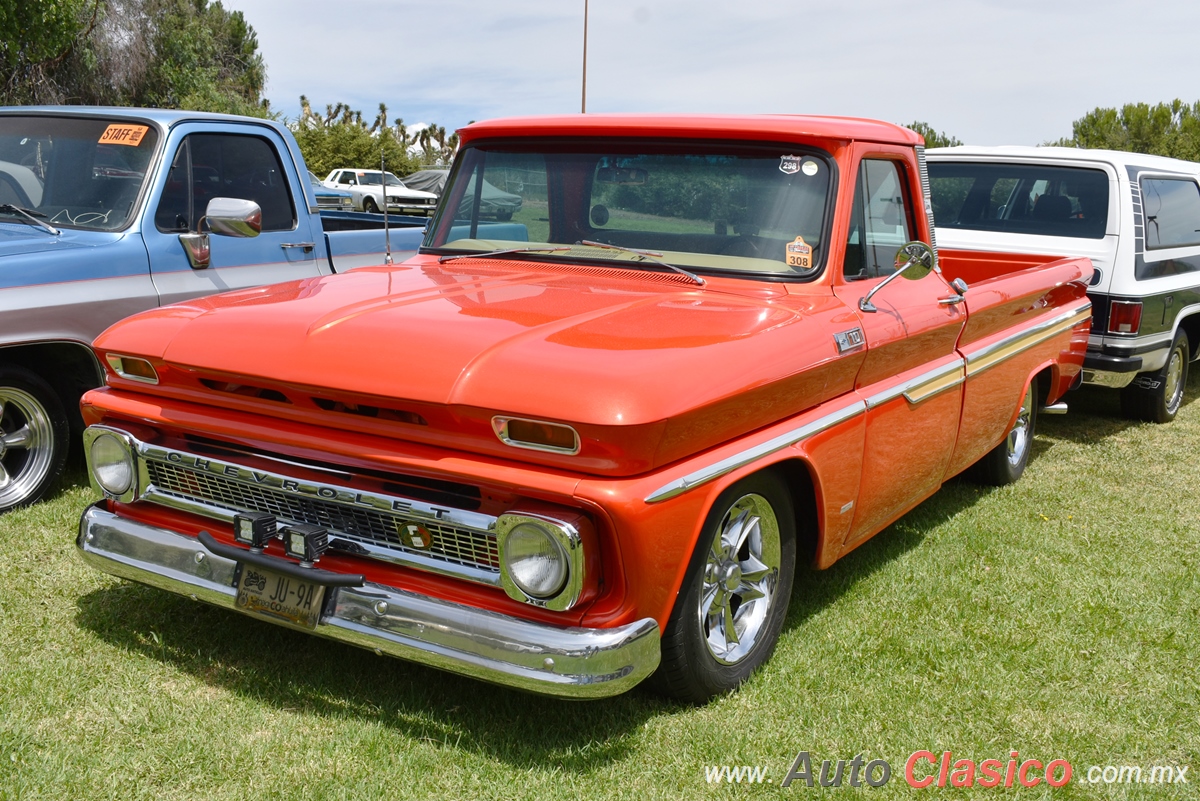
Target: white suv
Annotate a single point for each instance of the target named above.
(1137, 217)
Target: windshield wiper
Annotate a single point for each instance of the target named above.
(452, 257)
(647, 255)
(29, 216)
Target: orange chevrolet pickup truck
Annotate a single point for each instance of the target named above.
(586, 444)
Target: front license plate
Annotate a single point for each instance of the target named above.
(280, 598)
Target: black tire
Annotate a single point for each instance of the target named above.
(1005, 463)
(369, 206)
(695, 667)
(504, 216)
(34, 438)
(1156, 397)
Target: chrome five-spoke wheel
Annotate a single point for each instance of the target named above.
(33, 432)
(739, 579)
(1005, 463)
(734, 598)
(1022, 430)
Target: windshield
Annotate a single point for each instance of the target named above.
(78, 172)
(703, 207)
(372, 179)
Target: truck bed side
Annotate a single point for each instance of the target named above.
(1027, 321)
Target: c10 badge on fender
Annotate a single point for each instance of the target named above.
(279, 598)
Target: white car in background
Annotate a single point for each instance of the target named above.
(368, 188)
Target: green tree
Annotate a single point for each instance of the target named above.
(342, 138)
(933, 138)
(203, 57)
(36, 38)
(1164, 129)
(161, 53)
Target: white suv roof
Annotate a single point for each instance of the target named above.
(1117, 158)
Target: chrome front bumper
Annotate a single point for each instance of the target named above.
(565, 662)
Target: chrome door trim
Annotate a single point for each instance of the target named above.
(1010, 346)
(925, 386)
(731, 463)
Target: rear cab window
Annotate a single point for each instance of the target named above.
(1042, 200)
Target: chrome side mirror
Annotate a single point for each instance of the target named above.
(230, 216)
(914, 260)
(227, 216)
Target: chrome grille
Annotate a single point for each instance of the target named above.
(454, 544)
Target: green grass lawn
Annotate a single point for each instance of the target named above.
(1057, 617)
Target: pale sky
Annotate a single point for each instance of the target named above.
(990, 72)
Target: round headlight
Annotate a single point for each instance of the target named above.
(112, 464)
(536, 562)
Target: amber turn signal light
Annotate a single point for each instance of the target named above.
(133, 368)
(536, 435)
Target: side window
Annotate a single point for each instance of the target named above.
(879, 224)
(224, 165)
(1172, 210)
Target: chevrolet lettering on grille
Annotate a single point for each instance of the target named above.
(405, 531)
(324, 492)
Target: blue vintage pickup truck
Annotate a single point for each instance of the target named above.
(105, 212)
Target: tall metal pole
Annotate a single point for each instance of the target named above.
(583, 104)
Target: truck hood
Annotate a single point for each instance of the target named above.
(17, 238)
(601, 348)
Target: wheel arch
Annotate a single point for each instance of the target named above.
(70, 368)
(1190, 326)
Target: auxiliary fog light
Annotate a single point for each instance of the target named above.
(255, 529)
(305, 542)
(112, 464)
(535, 560)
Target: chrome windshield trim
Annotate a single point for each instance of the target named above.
(925, 386)
(1010, 346)
(731, 463)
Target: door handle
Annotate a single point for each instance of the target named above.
(960, 293)
(305, 245)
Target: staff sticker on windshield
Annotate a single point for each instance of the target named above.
(123, 135)
(789, 165)
(809, 167)
(799, 254)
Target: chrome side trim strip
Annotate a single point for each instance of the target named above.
(924, 386)
(731, 463)
(569, 662)
(1010, 346)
